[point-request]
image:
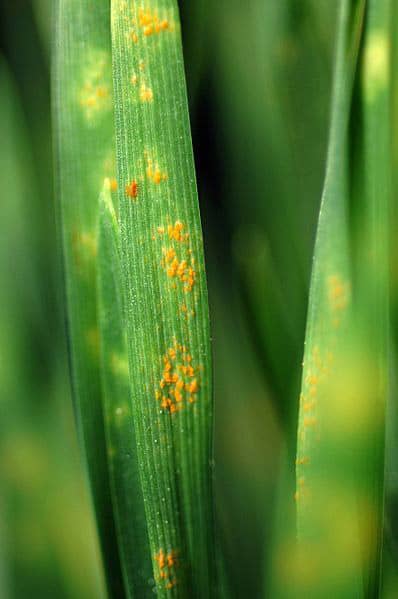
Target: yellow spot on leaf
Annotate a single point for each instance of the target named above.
(311, 379)
(84, 245)
(376, 65)
(338, 293)
(146, 93)
(94, 95)
(132, 36)
(153, 171)
(119, 364)
(89, 241)
(308, 406)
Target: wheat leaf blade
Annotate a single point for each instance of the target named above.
(165, 292)
(83, 123)
(323, 464)
(340, 458)
(127, 497)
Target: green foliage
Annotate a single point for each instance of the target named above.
(155, 398)
(340, 458)
(259, 80)
(83, 121)
(127, 497)
(166, 310)
(41, 477)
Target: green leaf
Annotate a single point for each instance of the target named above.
(166, 308)
(372, 268)
(83, 122)
(340, 463)
(127, 497)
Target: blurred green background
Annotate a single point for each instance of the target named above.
(259, 82)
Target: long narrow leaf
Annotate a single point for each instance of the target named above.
(328, 554)
(125, 483)
(166, 309)
(83, 120)
(372, 274)
(340, 459)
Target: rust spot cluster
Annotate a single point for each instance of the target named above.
(317, 369)
(176, 232)
(177, 268)
(145, 91)
(187, 312)
(141, 25)
(302, 490)
(167, 564)
(338, 296)
(179, 383)
(153, 171)
(95, 95)
(150, 22)
(91, 95)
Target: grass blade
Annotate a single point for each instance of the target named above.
(83, 121)
(372, 268)
(340, 457)
(126, 487)
(167, 319)
(322, 476)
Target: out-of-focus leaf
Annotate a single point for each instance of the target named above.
(340, 458)
(83, 122)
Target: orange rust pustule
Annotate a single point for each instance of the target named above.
(176, 232)
(179, 384)
(132, 189)
(181, 269)
(167, 564)
(150, 23)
